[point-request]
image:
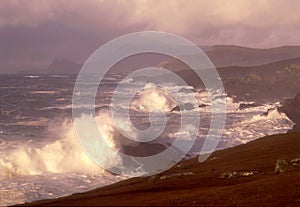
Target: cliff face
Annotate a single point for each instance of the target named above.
(275, 81)
(292, 109)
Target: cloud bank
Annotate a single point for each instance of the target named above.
(34, 32)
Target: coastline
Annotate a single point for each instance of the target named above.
(237, 176)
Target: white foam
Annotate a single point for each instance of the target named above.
(64, 154)
(153, 98)
(271, 115)
(59, 76)
(63, 160)
(253, 125)
(43, 92)
(61, 156)
(31, 76)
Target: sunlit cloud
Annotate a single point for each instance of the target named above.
(38, 31)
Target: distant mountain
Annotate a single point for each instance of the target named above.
(30, 72)
(221, 56)
(231, 55)
(64, 66)
(128, 64)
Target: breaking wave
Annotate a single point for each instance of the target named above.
(60, 156)
(271, 114)
(153, 98)
(63, 155)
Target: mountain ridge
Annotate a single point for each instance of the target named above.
(233, 55)
(220, 55)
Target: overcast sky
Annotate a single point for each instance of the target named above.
(34, 32)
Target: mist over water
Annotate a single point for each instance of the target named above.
(40, 154)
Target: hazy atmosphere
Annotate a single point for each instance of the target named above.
(35, 32)
(150, 103)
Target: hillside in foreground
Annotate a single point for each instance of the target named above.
(238, 176)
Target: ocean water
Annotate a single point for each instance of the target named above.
(40, 154)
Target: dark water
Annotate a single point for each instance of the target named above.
(38, 148)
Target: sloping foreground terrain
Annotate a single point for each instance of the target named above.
(239, 176)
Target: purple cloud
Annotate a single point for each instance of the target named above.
(34, 32)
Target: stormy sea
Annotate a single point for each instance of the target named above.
(41, 156)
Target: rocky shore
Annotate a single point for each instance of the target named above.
(264, 172)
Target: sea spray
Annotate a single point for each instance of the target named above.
(153, 98)
(60, 156)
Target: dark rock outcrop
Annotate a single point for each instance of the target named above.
(243, 106)
(268, 111)
(185, 90)
(203, 105)
(280, 166)
(291, 108)
(143, 149)
(185, 107)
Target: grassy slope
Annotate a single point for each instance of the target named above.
(205, 187)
